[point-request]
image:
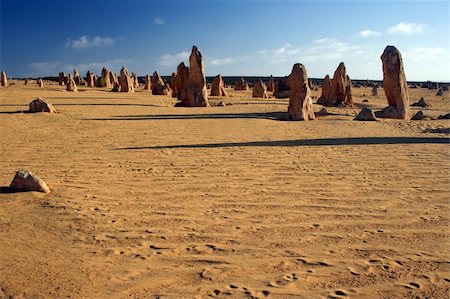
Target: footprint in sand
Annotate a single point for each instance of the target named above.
(338, 294)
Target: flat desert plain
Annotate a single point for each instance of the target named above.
(152, 201)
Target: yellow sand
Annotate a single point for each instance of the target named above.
(150, 200)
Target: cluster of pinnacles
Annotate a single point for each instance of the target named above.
(188, 85)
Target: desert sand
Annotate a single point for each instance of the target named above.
(149, 201)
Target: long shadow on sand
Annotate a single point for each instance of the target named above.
(306, 142)
(7, 190)
(263, 115)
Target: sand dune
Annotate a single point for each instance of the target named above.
(150, 200)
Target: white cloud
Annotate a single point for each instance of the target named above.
(173, 59)
(52, 68)
(85, 42)
(424, 53)
(369, 33)
(159, 21)
(224, 61)
(319, 50)
(407, 28)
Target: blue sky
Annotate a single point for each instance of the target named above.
(43, 37)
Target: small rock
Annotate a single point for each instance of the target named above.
(41, 105)
(26, 181)
(322, 112)
(421, 103)
(366, 114)
(420, 115)
(445, 116)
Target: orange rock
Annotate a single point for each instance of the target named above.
(41, 105)
(218, 87)
(259, 90)
(300, 102)
(394, 85)
(26, 181)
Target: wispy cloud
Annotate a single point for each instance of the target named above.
(221, 61)
(159, 21)
(369, 33)
(85, 42)
(317, 50)
(407, 28)
(52, 68)
(173, 59)
(424, 53)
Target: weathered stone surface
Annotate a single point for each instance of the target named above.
(342, 87)
(4, 79)
(90, 80)
(41, 105)
(148, 83)
(125, 81)
(326, 98)
(281, 88)
(62, 78)
(218, 87)
(271, 84)
(78, 79)
(366, 114)
(27, 82)
(26, 181)
(71, 85)
(421, 103)
(181, 79)
(300, 102)
(112, 78)
(440, 92)
(394, 84)
(259, 90)
(375, 91)
(159, 86)
(40, 83)
(105, 79)
(194, 93)
(241, 84)
(116, 87)
(135, 80)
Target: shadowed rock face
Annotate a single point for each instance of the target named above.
(341, 86)
(375, 91)
(300, 102)
(281, 88)
(125, 81)
(26, 181)
(40, 83)
(105, 79)
(394, 84)
(41, 105)
(326, 98)
(148, 83)
(159, 87)
(62, 78)
(194, 93)
(71, 85)
(4, 80)
(90, 80)
(271, 84)
(181, 79)
(259, 90)
(366, 114)
(78, 79)
(218, 87)
(241, 84)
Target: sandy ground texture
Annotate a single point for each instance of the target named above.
(154, 201)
